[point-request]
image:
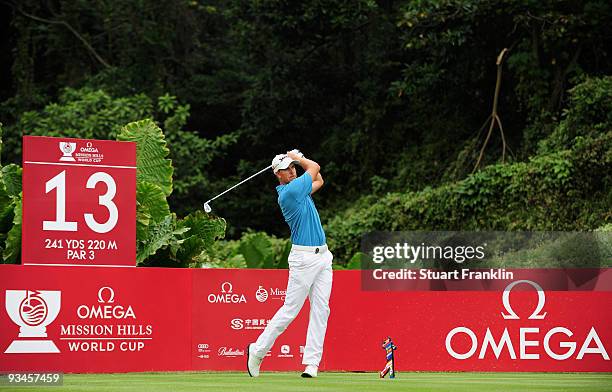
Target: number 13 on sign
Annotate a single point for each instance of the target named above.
(79, 202)
(60, 224)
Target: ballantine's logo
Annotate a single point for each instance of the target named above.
(592, 338)
(231, 352)
(226, 296)
(32, 311)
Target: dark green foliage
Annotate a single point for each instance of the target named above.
(162, 239)
(87, 113)
(192, 156)
(153, 166)
(203, 232)
(252, 250)
(589, 114)
(567, 187)
(10, 210)
(12, 245)
(261, 251)
(520, 196)
(83, 113)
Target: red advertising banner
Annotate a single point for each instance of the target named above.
(94, 319)
(231, 309)
(79, 202)
(146, 319)
(519, 328)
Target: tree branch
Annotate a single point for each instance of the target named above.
(325, 42)
(69, 27)
(559, 82)
(494, 117)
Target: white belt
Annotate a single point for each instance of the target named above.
(311, 249)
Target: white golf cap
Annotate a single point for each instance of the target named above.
(281, 161)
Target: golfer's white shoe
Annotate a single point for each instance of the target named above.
(310, 371)
(253, 362)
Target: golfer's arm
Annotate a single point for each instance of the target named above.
(317, 183)
(310, 166)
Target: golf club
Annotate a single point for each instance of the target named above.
(207, 205)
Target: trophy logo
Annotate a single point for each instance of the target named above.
(67, 148)
(32, 311)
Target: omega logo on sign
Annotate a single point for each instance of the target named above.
(528, 339)
(226, 296)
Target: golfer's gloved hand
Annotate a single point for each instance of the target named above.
(297, 152)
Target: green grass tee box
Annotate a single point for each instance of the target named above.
(337, 382)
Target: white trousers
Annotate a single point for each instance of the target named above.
(310, 275)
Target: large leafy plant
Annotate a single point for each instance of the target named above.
(162, 238)
(252, 250)
(10, 210)
(262, 251)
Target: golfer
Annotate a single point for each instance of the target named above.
(310, 263)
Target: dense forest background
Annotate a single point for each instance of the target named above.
(430, 114)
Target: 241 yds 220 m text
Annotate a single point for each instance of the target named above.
(80, 249)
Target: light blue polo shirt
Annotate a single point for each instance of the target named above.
(300, 212)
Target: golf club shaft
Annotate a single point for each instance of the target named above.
(241, 182)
